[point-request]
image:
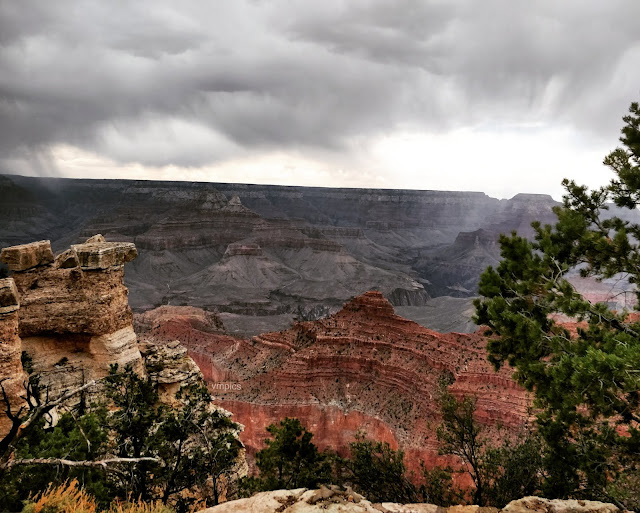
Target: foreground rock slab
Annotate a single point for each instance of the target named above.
(333, 499)
(540, 505)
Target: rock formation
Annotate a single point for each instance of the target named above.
(11, 374)
(334, 499)
(70, 314)
(74, 318)
(364, 367)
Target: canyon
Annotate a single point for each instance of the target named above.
(344, 308)
(362, 368)
(264, 256)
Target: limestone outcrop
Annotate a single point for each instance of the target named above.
(27, 256)
(170, 367)
(70, 312)
(11, 374)
(540, 505)
(334, 499)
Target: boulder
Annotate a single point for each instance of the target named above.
(27, 256)
(67, 259)
(9, 299)
(540, 505)
(95, 256)
(300, 500)
(96, 238)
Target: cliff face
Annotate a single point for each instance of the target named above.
(364, 367)
(11, 373)
(73, 318)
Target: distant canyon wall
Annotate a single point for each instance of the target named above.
(273, 251)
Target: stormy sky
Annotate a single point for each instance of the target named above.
(500, 96)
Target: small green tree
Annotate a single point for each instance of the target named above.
(193, 441)
(134, 428)
(586, 383)
(378, 472)
(438, 487)
(500, 473)
(198, 444)
(460, 435)
(290, 460)
(74, 439)
(513, 469)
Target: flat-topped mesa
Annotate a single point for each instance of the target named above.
(11, 372)
(74, 318)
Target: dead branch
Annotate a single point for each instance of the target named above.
(20, 425)
(72, 463)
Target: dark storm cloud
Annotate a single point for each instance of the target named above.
(195, 82)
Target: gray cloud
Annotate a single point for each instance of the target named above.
(195, 82)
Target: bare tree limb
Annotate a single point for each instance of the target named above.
(20, 425)
(48, 406)
(72, 463)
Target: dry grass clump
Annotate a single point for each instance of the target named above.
(71, 498)
(139, 507)
(65, 498)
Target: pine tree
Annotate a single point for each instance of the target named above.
(585, 382)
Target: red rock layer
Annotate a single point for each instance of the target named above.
(362, 367)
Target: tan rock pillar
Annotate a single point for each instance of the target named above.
(12, 375)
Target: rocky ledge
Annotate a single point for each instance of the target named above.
(333, 499)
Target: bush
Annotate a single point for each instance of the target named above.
(378, 472)
(289, 460)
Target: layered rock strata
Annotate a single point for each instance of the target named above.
(363, 367)
(11, 374)
(74, 318)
